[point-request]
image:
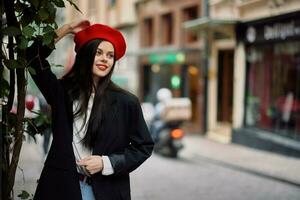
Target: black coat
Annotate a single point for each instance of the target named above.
(123, 137)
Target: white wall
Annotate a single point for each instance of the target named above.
(239, 85)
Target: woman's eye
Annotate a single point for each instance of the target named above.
(98, 53)
(111, 56)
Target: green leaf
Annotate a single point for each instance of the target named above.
(29, 14)
(52, 13)
(28, 31)
(23, 44)
(43, 13)
(11, 31)
(4, 87)
(75, 6)
(14, 64)
(32, 70)
(59, 3)
(24, 195)
(48, 38)
(35, 3)
(11, 64)
(51, 45)
(31, 127)
(43, 2)
(51, 9)
(48, 29)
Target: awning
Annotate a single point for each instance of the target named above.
(170, 55)
(205, 23)
(162, 50)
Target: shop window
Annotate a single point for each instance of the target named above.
(147, 38)
(273, 88)
(190, 13)
(167, 29)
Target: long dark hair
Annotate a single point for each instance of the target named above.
(81, 85)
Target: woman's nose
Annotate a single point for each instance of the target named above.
(103, 58)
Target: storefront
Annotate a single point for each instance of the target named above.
(178, 71)
(272, 97)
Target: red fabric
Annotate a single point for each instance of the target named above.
(100, 31)
(280, 103)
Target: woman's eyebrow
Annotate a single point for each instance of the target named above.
(107, 52)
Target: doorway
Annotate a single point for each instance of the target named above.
(225, 85)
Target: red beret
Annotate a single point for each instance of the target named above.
(100, 31)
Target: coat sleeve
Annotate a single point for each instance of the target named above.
(43, 77)
(140, 143)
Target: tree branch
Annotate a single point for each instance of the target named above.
(12, 21)
(11, 76)
(19, 128)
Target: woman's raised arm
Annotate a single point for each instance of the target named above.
(37, 54)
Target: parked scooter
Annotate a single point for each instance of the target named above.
(169, 140)
(165, 127)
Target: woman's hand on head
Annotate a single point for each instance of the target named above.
(79, 25)
(72, 28)
(93, 164)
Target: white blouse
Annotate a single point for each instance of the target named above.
(79, 131)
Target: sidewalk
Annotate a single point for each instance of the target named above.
(258, 162)
(249, 160)
(29, 167)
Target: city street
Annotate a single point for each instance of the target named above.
(193, 176)
(198, 179)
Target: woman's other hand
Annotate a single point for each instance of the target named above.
(93, 164)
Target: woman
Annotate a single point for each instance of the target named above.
(99, 133)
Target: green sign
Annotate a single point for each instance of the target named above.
(168, 58)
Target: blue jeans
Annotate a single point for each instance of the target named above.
(86, 191)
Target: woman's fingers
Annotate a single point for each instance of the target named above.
(79, 25)
(92, 164)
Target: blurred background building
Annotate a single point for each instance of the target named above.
(237, 60)
(170, 57)
(253, 72)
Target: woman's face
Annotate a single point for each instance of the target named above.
(104, 60)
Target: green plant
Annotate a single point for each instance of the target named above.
(23, 22)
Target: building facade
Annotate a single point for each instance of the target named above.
(271, 118)
(253, 72)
